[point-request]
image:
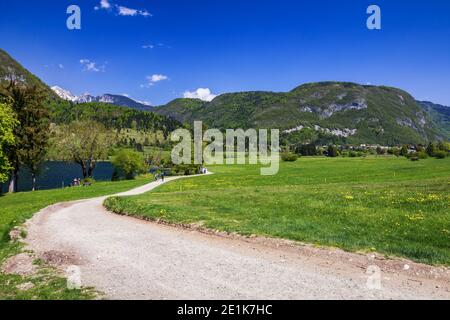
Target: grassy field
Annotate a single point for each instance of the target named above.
(15, 209)
(389, 205)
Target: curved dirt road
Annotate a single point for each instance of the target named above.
(126, 258)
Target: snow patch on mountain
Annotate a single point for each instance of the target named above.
(346, 132)
(119, 100)
(64, 94)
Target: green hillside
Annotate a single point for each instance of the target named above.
(10, 67)
(112, 116)
(352, 112)
(181, 109)
(439, 114)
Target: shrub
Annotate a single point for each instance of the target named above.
(394, 151)
(307, 150)
(440, 154)
(381, 151)
(289, 156)
(404, 151)
(129, 162)
(185, 169)
(416, 156)
(432, 149)
(422, 155)
(88, 181)
(332, 151)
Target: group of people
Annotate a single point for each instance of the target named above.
(76, 182)
(160, 176)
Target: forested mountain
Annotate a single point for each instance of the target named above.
(114, 117)
(356, 113)
(115, 99)
(439, 114)
(350, 112)
(66, 108)
(11, 68)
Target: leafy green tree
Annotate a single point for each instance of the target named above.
(307, 149)
(8, 122)
(404, 151)
(32, 133)
(84, 143)
(444, 146)
(332, 151)
(432, 149)
(380, 151)
(129, 162)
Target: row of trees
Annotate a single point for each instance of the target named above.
(433, 149)
(26, 134)
(8, 122)
(26, 121)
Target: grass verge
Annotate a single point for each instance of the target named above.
(389, 205)
(16, 209)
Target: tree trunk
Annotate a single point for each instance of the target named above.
(83, 169)
(33, 182)
(91, 168)
(13, 182)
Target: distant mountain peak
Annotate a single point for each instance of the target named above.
(64, 94)
(119, 100)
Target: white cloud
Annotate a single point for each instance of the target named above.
(91, 66)
(157, 78)
(104, 4)
(124, 11)
(151, 80)
(61, 66)
(148, 46)
(121, 10)
(204, 94)
(147, 103)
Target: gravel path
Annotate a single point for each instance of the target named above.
(126, 258)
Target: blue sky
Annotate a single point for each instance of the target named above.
(230, 45)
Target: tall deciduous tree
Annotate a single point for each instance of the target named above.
(8, 122)
(129, 162)
(83, 142)
(32, 133)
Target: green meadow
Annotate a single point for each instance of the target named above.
(385, 204)
(15, 209)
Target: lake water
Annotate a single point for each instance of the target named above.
(56, 174)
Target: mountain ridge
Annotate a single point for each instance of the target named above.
(352, 112)
(358, 113)
(119, 100)
(9, 67)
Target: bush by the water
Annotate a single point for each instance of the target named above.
(129, 162)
